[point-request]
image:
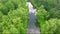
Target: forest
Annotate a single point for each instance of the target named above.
(48, 14)
(14, 16)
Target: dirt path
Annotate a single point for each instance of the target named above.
(32, 28)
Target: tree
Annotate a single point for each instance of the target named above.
(13, 16)
(47, 3)
(42, 16)
(51, 26)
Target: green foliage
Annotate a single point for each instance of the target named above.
(3, 9)
(54, 13)
(51, 26)
(48, 15)
(13, 16)
(47, 3)
(48, 21)
(7, 5)
(42, 15)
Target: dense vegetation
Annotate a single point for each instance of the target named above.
(13, 16)
(48, 14)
